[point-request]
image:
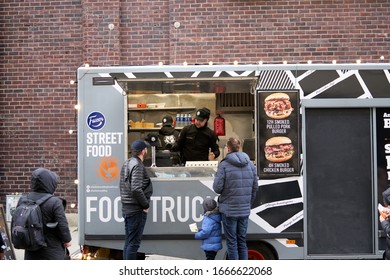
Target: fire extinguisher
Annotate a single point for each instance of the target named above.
(219, 126)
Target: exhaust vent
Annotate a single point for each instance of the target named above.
(234, 103)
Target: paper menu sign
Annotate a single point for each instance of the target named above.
(193, 227)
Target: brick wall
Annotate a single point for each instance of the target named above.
(44, 42)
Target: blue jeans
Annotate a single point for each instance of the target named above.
(134, 227)
(235, 232)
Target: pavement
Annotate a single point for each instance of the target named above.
(75, 249)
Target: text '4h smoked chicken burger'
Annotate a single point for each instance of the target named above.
(277, 105)
(278, 149)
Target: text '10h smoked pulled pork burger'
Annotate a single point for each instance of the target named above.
(278, 149)
(277, 105)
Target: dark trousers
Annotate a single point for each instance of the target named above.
(210, 255)
(235, 231)
(134, 228)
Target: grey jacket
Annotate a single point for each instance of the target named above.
(135, 186)
(237, 183)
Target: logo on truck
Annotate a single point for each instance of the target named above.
(108, 169)
(96, 120)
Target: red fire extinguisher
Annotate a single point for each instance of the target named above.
(219, 126)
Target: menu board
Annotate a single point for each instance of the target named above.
(383, 149)
(9, 252)
(278, 133)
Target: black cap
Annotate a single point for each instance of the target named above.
(139, 145)
(202, 114)
(167, 120)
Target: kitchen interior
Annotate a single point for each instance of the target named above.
(232, 99)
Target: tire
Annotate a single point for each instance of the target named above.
(260, 251)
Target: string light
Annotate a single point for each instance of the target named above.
(72, 82)
(358, 61)
(235, 62)
(334, 61)
(210, 63)
(382, 57)
(76, 181)
(86, 65)
(185, 63)
(260, 62)
(285, 62)
(160, 63)
(309, 62)
(70, 131)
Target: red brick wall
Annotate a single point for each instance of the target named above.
(44, 42)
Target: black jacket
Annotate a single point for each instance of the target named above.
(194, 143)
(2, 244)
(168, 136)
(386, 223)
(135, 186)
(44, 181)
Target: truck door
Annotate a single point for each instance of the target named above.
(340, 184)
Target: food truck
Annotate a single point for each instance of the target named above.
(318, 135)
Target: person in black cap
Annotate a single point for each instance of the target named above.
(198, 142)
(168, 136)
(135, 190)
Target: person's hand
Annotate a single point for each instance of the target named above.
(211, 156)
(67, 244)
(146, 210)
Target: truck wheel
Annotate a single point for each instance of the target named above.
(260, 251)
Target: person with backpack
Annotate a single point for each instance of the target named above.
(55, 225)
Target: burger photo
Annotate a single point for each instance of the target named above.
(277, 105)
(278, 149)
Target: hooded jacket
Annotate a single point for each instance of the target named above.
(44, 181)
(211, 231)
(168, 136)
(237, 183)
(386, 223)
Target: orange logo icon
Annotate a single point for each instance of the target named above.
(108, 169)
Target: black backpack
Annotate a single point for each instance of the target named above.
(27, 229)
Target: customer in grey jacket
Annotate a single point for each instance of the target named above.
(237, 183)
(135, 189)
